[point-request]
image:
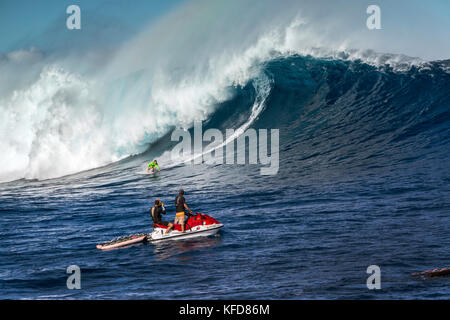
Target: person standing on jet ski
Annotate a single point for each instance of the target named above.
(180, 205)
(153, 165)
(156, 212)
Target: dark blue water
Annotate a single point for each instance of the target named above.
(363, 180)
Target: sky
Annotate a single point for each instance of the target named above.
(25, 23)
(413, 27)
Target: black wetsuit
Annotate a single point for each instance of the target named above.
(157, 217)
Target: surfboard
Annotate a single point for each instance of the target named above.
(123, 241)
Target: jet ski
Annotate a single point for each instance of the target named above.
(196, 226)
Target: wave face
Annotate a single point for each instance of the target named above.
(330, 110)
(340, 114)
(335, 113)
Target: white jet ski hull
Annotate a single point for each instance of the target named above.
(158, 234)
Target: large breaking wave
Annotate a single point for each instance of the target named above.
(58, 118)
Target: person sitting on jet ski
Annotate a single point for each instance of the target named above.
(154, 165)
(180, 205)
(156, 212)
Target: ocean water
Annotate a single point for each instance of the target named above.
(363, 180)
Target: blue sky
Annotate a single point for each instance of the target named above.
(414, 27)
(24, 23)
